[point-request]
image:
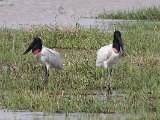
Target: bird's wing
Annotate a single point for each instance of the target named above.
(103, 54)
(54, 58)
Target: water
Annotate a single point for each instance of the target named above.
(25, 13)
(26, 115)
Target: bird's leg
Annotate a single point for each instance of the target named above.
(46, 76)
(109, 87)
(107, 82)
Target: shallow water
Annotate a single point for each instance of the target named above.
(26, 115)
(22, 13)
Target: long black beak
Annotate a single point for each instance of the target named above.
(29, 48)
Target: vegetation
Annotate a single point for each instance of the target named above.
(152, 13)
(79, 87)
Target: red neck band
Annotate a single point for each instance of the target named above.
(116, 50)
(36, 51)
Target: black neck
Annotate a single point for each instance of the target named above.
(116, 45)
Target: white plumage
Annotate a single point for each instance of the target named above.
(109, 56)
(48, 57)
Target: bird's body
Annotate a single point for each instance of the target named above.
(109, 56)
(48, 57)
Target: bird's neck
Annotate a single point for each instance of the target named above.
(116, 46)
(116, 50)
(36, 51)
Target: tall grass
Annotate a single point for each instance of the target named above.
(78, 87)
(152, 13)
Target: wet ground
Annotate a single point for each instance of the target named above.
(24, 13)
(26, 115)
(6, 114)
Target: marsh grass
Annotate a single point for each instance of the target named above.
(152, 13)
(137, 75)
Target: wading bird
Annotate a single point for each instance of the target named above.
(48, 57)
(109, 55)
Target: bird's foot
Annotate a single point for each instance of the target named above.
(109, 91)
(45, 83)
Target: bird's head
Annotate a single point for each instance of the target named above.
(117, 41)
(35, 46)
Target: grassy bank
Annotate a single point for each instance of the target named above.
(152, 13)
(78, 87)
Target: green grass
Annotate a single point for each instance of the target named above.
(152, 13)
(74, 89)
